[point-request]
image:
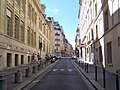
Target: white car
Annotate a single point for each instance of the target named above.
(73, 57)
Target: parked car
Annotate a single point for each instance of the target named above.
(57, 56)
(73, 57)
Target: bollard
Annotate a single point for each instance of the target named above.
(3, 84)
(117, 80)
(35, 69)
(28, 72)
(95, 73)
(39, 67)
(18, 77)
(87, 67)
(104, 81)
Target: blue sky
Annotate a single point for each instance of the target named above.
(66, 13)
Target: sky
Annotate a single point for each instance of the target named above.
(66, 13)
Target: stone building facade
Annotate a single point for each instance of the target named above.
(23, 26)
(59, 38)
(100, 32)
(62, 46)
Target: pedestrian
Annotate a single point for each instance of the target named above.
(33, 58)
(46, 59)
(39, 58)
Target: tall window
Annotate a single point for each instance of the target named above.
(23, 5)
(40, 24)
(22, 31)
(96, 9)
(109, 52)
(96, 32)
(43, 45)
(44, 26)
(31, 37)
(35, 18)
(92, 34)
(100, 54)
(34, 39)
(8, 22)
(9, 59)
(29, 10)
(47, 47)
(16, 28)
(33, 15)
(106, 20)
(28, 35)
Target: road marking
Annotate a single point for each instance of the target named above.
(55, 70)
(69, 70)
(62, 69)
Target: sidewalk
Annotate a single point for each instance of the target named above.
(9, 75)
(110, 79)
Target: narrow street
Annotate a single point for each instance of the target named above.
(64, 76)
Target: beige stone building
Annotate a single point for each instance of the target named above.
(23, 26)
(100, 32)
(62, 46)
(59, 43)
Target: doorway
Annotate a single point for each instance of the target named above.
(22, 59)
(28, 58)
(9, 59)
(16, 59)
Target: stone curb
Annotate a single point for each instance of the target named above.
(27, 82)
(91, 80)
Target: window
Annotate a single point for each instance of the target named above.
(16, 59)
(44, 28)
(29, 10)
(100, 54)
(96, 9)
(16, 28)
(22, 31)
(35, 18)
(57, 39)
(96, 32)
(34, 39)
(47, 48)
(118, 41)
(28, 58)
(92, 34)
(8, 22)
(9, 59)
(40, 23)
(43, 45)
(57, 44)
(57, 34)
(31, 37)
(28, 35)
(106, 20)
(23, 5)
(33, 15)
(109, 52)
(40, 42)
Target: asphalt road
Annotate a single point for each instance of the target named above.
(63, 76)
